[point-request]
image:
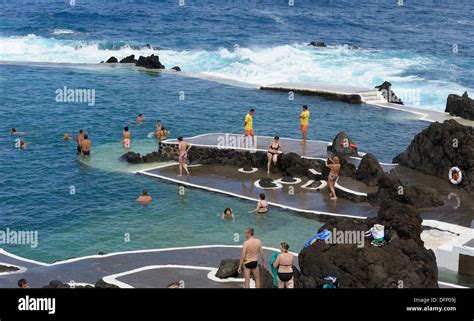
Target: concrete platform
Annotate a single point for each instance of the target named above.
(229, 181)
(142, 268)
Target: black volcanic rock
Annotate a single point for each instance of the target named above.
(132, 157)
(267, 183)
(150, 62)
(369, 170)
(176, 68)
(461, 106)
(339, 149)
(228, 268)
(128, 60)
(288, 179)
(5, 268)
(101, 284)
(440, 147)
(317, 44)
(393, 187)
(387, 92)
(111, 60)
(403, 261)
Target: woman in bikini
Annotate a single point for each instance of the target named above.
(262, 205)
(284, 264)
(335, 167)
(273, 151)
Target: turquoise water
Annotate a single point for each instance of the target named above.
(36, 182)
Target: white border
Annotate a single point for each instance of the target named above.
(280, 181)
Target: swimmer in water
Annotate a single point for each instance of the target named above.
(126, 137)
(262, 205)
(23, 144)
(228, 214)
(162, 134)
(86, 146)
(157, 128)
(140, 119)
(183, 155)
(67, 137)
(15, 132)
(144, 198)
(79, 139)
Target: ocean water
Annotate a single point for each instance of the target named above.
(425, 48)
(252, 42)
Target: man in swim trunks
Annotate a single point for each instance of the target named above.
(86, 146)
(183, 148)
(248, 127)
(304, 120)
(126, 137)
(161, 135)
(79, 139)
(140, 119)
(249, 258)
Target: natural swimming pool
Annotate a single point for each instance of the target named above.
(37, 182)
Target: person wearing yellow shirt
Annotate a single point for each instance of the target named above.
(248, 127)
(304, 120)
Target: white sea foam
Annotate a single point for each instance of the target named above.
(62, 31)
(258, 65)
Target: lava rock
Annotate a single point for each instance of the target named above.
(440, 147)
(288, 179)
(56, 284)
(317, 44)
(150, 62)
(404, 258)
(461, 106)
(267, 183)
(343, 146)
(393, 187)
(228, 268)
(7, 268)
(128, 60)
(151, 157)
(132, 157)
(352, 99)
(111, 60)
(101, 284)
(176, 68)
(247, 168)
(369, 170)
(388, 94)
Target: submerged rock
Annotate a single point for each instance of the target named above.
(388, 94)
(150, 62)
(111, 60)
(440, 147)
(101, 284)
(369, 170)
(176, 68)
(461, 106)
(403, 261)
(8, 268)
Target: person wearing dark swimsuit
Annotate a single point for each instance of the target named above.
(273, 151)
(251, 250)
(284, 264)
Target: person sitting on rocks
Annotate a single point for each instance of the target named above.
(273, 151)
(228, 214)
(144, 198)
(378, 234)
(262, 205)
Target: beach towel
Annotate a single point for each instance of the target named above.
(273, 269)
(323, 235)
